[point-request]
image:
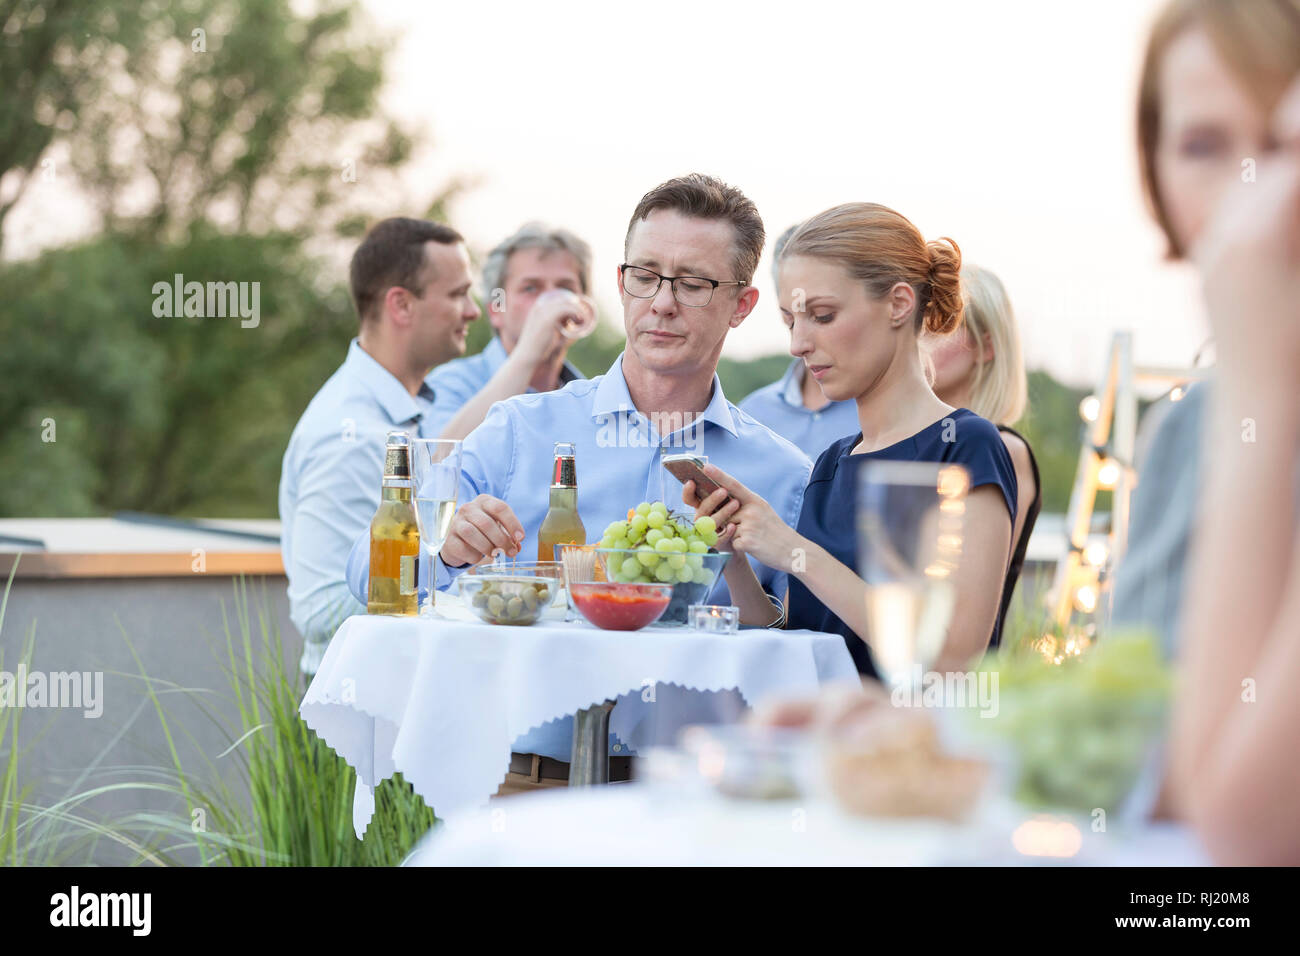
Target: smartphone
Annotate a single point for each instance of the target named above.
(689, 468)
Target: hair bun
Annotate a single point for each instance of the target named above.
(943, 308)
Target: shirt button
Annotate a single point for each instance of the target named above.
(817, 416)
(618, 748)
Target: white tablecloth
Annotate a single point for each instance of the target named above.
(442, 700)
(643, 825)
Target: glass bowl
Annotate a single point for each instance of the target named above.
(516, 595)
(619, 606)
(691, 575)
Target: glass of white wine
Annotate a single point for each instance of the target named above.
(579, 319)
(910, 516)
(435, 473)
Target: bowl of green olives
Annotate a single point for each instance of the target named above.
(516, 595)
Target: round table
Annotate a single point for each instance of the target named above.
(442, 699)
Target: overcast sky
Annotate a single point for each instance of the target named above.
(1006, 125)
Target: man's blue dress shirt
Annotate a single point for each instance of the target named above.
(456, 382)
(329, 487)
(780, 407)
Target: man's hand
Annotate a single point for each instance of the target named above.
(481, 528)
(542, 336)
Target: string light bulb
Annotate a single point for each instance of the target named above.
(1085, 598)
(1095, 554)
(1090, 409)
(1108, 474)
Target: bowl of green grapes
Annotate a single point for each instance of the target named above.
(654, 546)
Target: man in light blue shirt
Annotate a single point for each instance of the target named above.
(527, 352)
(410, 282)
(691, 249)
(794, 406)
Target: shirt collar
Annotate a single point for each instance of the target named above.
(612, 395)
(398, 404)
(792, 384)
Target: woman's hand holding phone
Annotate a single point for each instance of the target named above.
(747, 524)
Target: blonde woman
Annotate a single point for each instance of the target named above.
(980, 367)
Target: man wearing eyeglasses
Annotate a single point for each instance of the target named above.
(691, 249)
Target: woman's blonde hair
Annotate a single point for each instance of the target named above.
(1000, 388)
(1260, 42)
(880, 247)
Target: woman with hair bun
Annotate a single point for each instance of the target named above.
(858, 285)
(980, 367)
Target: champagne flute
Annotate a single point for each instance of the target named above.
(435, 470)
(909, 522)
(579, 320)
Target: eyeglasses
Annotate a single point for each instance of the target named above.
(693, 291)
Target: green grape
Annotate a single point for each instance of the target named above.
(685, 575)
(660, 507)
(665, 545)
(709, 537)
(647, 556)
(698, 547)
(703, 576)
(656, 520)
(695, 560)
(643, 508)
(631, 567)
(705, 525)
(607, 542)
(677, 561)
(653, 537)
(618, 529)
(638, 523)
(623, 544)
(665, 572)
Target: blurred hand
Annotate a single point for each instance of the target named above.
(833, 710)
(479, 529)
(1249, 260)
(542, 336)
(747, 524)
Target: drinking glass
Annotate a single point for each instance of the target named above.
(435, 473)
(581, 320)
(909, 522)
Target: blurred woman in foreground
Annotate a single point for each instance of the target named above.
(1233, 768)
(1212, 77)
(858, 284)
(980, 367)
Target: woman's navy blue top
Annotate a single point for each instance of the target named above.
(827, 517)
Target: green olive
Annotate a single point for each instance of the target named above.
(479, 599)
(529, 596)
(496, 604)
(543, 594)
(514, 607)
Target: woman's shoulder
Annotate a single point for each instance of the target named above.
(970, 431)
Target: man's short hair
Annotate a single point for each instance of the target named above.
(536, 235)
(392, 254)
(704, 197)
